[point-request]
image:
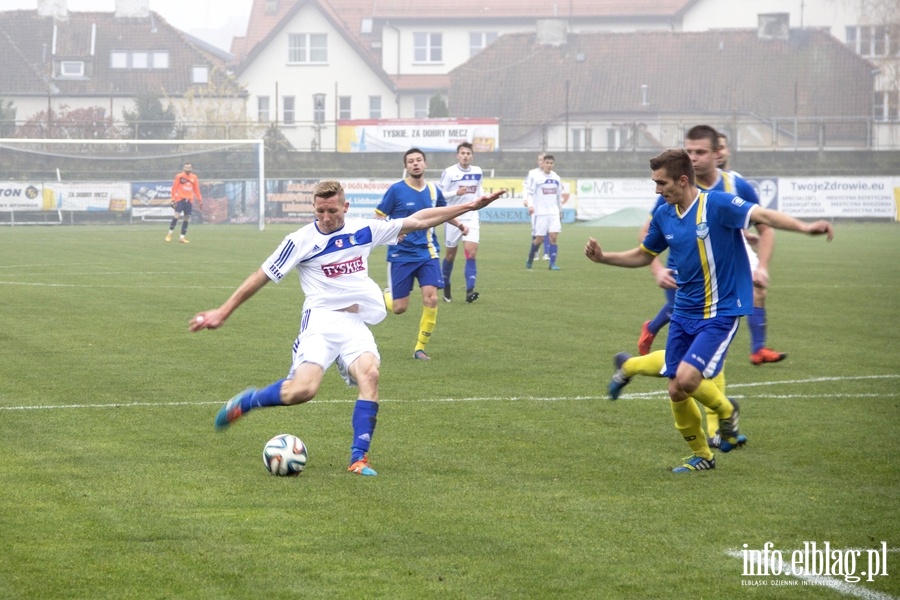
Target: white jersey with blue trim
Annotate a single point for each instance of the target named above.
(455, 177)
(546, 193)
(333, 268)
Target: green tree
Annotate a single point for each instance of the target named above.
(437, 107)
(216, 110)
(90, 123)
(149, 120)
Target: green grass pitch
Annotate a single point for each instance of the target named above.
(504, 472)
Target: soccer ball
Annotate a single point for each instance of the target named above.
(285, 455)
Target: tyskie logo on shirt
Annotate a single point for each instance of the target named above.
(354, 265)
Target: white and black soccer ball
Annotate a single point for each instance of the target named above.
(285, 455)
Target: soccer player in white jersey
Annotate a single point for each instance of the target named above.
(461, 183)
(703, 231)
(330, 257)
(526, 186)
(544, 201)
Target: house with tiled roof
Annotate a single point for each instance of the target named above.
(56, 60)
(309, 63)
(629, 91)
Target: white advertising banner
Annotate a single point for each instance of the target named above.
(92, 196)
(602, 197)
(839, 197)
(429, 135)
(364, 195)
(21, 196)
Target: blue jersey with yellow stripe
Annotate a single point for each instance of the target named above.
(401, 200)
(706, 245)
(731, 182)
(727, 181)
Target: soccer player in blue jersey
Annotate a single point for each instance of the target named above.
(724, 158)
(703, 232)
(703, 143)
(416, 256)
(461, 183)
(331, 258)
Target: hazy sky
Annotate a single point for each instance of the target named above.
(198, 17)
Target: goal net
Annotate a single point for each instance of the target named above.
(68, 181)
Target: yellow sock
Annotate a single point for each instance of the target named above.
(712, 419)
(689, 423)
(650, 364)
(426, 326)
(388, 300)
(712, 397)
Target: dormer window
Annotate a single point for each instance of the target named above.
(71, 68)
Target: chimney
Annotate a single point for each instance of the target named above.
(132, 8)
(552, 32)
(774, 26)
(52, 8)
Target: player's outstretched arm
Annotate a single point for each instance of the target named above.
(780, 220)
(215, 318)
(430, 217)
(636, 257)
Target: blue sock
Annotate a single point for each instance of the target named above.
(757, 323)
(471, 272)
(548, 247)
(267, 396)
(661, 319)
(365, 414)
(554, 248)
(446, 270)
(534, 249)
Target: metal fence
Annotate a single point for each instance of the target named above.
(584, 134)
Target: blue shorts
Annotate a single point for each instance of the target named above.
(183, 206)
(402, 274)
(702, 343)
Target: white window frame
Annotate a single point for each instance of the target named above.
(428, 47)
(289, 110)
(140, 60)
(263, 109)
(345, 106)
(319, 108)
(71, 68)
(143, 61)
(578, 139)
(200, 74)
(374, 107)
(874, 40)
(420, 106)
(307, 48)
(118, 59)
(887, 105)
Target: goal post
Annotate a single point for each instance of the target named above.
(128, 179)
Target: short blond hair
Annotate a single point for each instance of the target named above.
(328, 188)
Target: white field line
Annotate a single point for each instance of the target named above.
(652, 395)
(98, 285)
(836, 583)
